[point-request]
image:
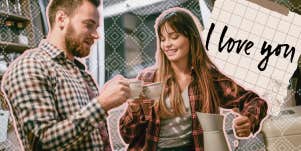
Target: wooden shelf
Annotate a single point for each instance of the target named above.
(13, 47)
(14, 17)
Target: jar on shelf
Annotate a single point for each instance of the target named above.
(6, 32)
(11, 31)
(22, 38)
(12, 56)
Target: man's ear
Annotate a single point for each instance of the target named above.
(61, 19)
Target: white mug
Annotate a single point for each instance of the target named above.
(153, 91)
(135, 88)
(23, 39)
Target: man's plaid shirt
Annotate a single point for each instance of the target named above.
(52, 101)
(142, 134)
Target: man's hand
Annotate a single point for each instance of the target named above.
(114, 93)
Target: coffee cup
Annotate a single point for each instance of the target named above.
(153, 90)
(135, 88)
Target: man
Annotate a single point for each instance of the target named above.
(54, 100)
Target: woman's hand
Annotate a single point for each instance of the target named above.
(242, 126)
(134, 104)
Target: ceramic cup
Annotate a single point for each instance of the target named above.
(135, 88)
(153, 91)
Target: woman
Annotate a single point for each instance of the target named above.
(191, 83)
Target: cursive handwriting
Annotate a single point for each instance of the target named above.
(245, 45)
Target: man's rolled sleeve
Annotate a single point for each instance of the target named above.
(92, 112)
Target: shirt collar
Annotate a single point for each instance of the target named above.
(51, 49)
(56, 53)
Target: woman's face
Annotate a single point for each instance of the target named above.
(174, 45)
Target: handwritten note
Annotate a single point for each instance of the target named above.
(257, 47)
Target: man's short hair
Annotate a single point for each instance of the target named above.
(68, 6)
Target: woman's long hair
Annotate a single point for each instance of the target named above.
(184, 22)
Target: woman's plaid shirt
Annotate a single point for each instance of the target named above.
(52, 102)
(142, 134)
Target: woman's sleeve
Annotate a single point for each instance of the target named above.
(132, 124)
(249, 103)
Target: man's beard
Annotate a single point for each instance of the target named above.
(74, 45)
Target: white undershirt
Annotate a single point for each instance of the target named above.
(177, 131)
